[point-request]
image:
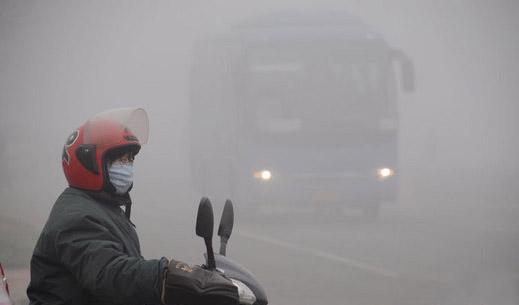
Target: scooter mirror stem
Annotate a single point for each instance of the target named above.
(223, 245)
(211, 264)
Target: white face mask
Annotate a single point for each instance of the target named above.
(121, 177)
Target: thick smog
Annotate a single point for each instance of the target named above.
(367, 151)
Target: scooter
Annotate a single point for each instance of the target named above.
(249, 289)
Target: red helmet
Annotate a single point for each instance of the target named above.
(86, 149)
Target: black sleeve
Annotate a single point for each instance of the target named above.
(97, 260)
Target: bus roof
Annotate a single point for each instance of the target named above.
(304, 26)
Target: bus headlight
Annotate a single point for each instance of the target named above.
(264, 175)
(384, 173)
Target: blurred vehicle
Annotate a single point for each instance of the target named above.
(4, 289)
(297, 110)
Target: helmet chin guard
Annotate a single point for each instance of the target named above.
(85, 150)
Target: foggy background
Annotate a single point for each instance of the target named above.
(451, 239)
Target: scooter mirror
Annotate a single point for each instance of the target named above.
(205, 219)
(204, 228)
(227, 220)
(226, 224)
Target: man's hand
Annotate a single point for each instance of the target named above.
(192, 285)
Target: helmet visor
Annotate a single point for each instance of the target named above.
(98, 128)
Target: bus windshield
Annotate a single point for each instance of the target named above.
(317, 89)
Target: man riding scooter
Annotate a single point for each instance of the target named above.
(88, 251)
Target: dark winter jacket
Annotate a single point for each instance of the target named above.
(89, 253)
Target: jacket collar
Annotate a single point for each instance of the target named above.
(113, 199)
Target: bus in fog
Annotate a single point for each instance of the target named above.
(297, 110)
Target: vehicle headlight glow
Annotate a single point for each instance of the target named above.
(264, 175)
(384, 173)
(246, 295)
